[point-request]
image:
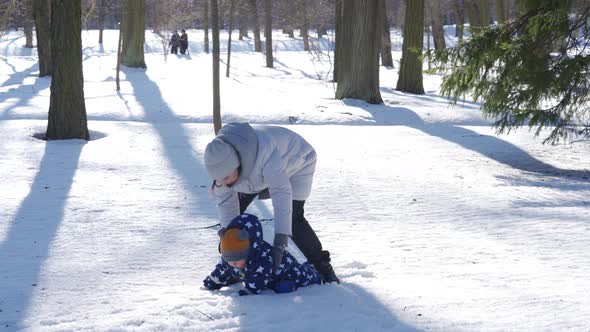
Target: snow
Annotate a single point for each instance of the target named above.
(433, 221)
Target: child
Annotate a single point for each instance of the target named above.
(246, 257)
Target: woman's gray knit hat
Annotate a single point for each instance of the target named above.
(220, 159)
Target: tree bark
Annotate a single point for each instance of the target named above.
(289, 32)
(67, 110)
(216, 88)
(101, 14)
(386, 58)
(338, 17)
(256, 24)
(484, 12)
(206, 26)
(358, 71)
(231, 27)
(28, 24)
(133, 27)
(410, 74)
(438, 32)
(268, 32)
(473, 14)
(305, 27)
(119, 46)
(460, 18)
(502, 8)
(243, 20)
(41, 15)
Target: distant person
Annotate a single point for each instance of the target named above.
(183, 42)
(174, 42)
(267, 162)
(246, 257)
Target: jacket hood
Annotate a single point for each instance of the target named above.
(252, 225)
(243, 139)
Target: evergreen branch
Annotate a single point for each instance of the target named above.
(531, 71)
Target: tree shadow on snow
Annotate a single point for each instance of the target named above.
(344, 307)
(174, 138)
(303, 73)
(35, 225)
(489, 146)
(23, 93)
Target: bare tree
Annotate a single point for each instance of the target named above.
(268, 32)
(438, 32)
(358, 58)
(7, 8)
(133, 28)
(502, 10)
(459, 12)
(243, 18)
(256, 23)
(231, 27)
(119, 50)
(386, 58)
(410, 73)
(28, 23)
(104, 7)
(305, 26)
(338, 19)
(67, 110)
(216, 88)
(206, 26)
(41, 15)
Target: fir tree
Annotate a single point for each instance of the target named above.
(533, 70)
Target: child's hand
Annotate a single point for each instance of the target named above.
(210, 284)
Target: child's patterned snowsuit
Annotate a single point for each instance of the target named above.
(256, 276)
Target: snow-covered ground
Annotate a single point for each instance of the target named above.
(434, 222)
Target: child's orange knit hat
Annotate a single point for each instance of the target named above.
(235, 245)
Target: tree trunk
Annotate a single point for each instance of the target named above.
(305, 27)
(473, 13)
(427, 30)
(268, 32)
(119, 46)
(386, 58)
(231, 27)
(484, 12)
(243, 20)
(28, 26)
(338, 17)
(438, 32)
(460, 18)
(206, 26)
(216, 88)
(289, 32)
(221, 13)
(101, 15)
(41, 15)
(358, 72)
(67, 110)
(133, 27)
(410, 74)
(502, 8)
(256, 23)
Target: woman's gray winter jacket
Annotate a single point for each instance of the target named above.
(272, 158)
